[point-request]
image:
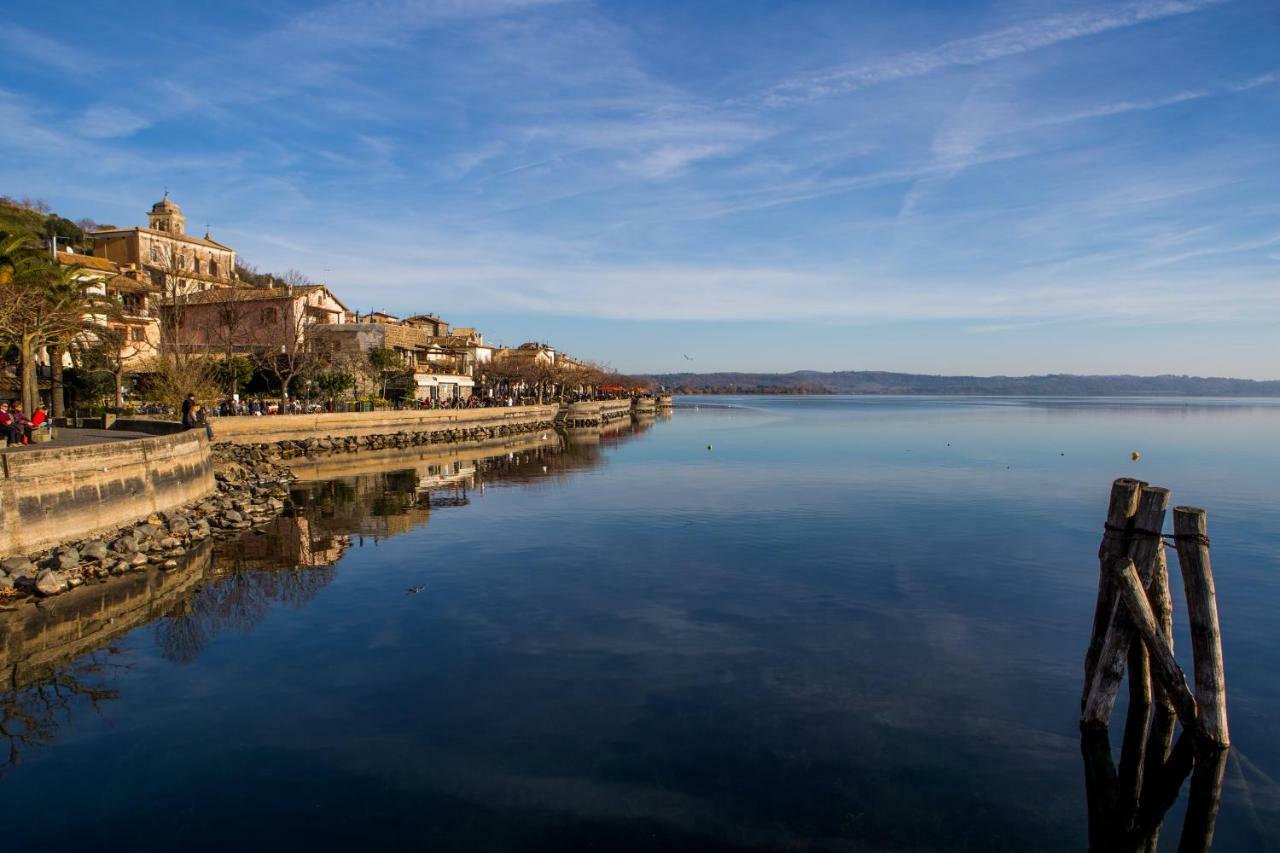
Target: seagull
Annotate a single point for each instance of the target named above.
(687, 358)
(414, 589)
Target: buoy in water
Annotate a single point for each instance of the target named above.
(1136, 456)
(708, 447)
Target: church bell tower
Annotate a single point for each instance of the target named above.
(166, 216)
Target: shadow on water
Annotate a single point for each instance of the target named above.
(60, 657)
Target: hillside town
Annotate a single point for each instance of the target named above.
(138, 317)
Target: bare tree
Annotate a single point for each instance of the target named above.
(288, 350)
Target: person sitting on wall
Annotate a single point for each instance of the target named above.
(6, 423)
(200, 418)
(40, 418)
(21, 425)
(188, 404)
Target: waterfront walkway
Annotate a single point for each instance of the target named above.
(72, 437)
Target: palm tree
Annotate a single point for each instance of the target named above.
(45, 304)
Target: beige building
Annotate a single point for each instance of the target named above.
(135, 322)
(249, 320)
(437, 372)
(165, 254)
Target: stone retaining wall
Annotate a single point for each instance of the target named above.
(593, 412)
(273, 428)
(47, 496)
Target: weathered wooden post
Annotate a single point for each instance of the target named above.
(1115, 544)
(1191, 535)
(1164, 718)
(1203, 800)
(1145, 549)
(1134, 598)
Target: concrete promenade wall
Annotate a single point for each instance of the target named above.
(614, 408)
(594, 412)
(49, 496)
(243, 429)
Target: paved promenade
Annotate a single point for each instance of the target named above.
(70, 437)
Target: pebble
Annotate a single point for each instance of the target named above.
(50, 582)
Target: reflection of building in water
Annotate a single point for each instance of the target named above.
(389, 492)
(57, 656)
(288, 542)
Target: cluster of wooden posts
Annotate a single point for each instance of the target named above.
(1133, 631)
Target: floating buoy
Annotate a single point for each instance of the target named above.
(1136, 456)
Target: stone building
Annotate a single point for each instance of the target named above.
(251, 320)
(166, 255)
(436, 372)
(135, 322)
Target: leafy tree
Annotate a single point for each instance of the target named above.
(334, 382)
(93, 380)
(385, 364)
(233, 373)
(44, 304)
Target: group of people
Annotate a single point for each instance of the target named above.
(194, 416)
(16, 426)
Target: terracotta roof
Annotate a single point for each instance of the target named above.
(87, 261)
(124, 284)
(454, 341)
(186, 238)
(218, 295)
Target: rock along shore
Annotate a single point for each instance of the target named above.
(252, 490)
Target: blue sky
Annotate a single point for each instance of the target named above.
(947, 187)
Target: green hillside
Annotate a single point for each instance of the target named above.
(36, 218)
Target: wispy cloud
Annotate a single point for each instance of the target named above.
(989, 47)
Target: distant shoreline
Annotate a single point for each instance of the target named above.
(1154, 395)
(877, 383)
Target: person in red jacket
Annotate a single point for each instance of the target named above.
(6, 425)
(39, 416)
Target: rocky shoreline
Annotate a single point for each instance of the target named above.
(252, 490)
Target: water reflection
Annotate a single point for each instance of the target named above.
(60, 657)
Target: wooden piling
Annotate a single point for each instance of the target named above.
(1115, 544)
(1163, 665)
(1191, 535)
(1164, 718)
(1203, 800)
(1145, 549)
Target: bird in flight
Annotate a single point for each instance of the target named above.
(687, 358)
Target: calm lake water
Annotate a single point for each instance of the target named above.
(766, 623)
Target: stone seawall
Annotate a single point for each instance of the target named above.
(48, 496)
(593, 412)
(274, 428)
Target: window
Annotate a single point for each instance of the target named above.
(137, 333)
(213, 267)
(157, 278)
(182, 262)
(155, 254)
(197, 265)
(269, 315)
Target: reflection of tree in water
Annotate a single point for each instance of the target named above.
(238, 601)
(31, 715)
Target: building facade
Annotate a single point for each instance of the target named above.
(165, 254)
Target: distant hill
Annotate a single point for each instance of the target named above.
(877, 382)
